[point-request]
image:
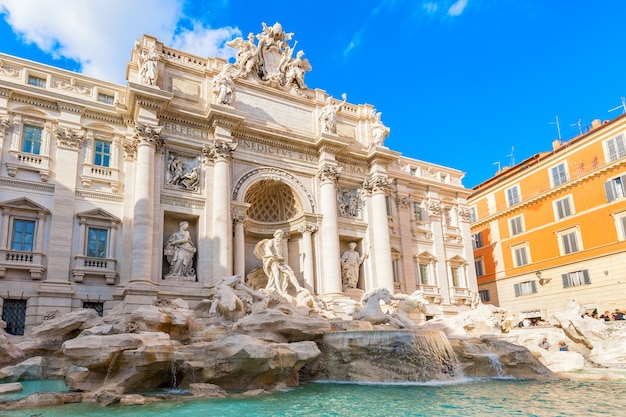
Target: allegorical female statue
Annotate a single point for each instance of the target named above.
(179, 251)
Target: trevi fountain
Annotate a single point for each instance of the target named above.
(279, 350)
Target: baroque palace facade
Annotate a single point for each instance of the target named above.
(552, 228)
(164, 186)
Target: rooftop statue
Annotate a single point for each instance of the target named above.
(271, 58)
(328, 115)
(148, 64)
(379, 131)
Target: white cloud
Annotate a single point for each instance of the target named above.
(100, 34)
(457, 8)
(430, 7)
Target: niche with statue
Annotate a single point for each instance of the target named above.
(179, 247)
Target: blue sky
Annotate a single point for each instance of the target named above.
(468, 84)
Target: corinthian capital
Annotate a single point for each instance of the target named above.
(149, 134)
(377, 184)
(329, 173)
(218, 150)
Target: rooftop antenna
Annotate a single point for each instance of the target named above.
(580, 129)
(623, 106)
(498, 164)
(558, 126)
(511, 156)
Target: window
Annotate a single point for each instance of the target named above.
(614, 188)
(418, 211)
(480, 268)
(620, 225)
(558, 175)
(573, 279)
(102, 153)
(520, 255)
(32, 139)
(36, 81)
(14, 315)
(524, 288)
(615, 148)
(512, 195)
(484, 296)
(456, 277)
(424, 276)
(447, 216)
(473, 215)
(106, 98)
(97, 242)
(23, 236)
(99, 307)
(563, 208)
(516, 225)
(569, 242)
(477, 240)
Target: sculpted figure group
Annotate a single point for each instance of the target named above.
(271, 58)
(232, 299)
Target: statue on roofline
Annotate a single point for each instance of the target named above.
(271, 59)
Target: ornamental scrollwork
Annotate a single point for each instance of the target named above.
(68, 138)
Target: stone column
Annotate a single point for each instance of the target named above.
(219, 153)
(307, 231)
(377, 187)
(331, 277)
(435, 214)
(404, 204)
(239, 259)
(148, 141)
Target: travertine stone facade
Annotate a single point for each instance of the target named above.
(162, 186)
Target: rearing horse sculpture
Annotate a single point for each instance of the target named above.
(371, 310)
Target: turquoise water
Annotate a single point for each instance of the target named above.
(472, 397)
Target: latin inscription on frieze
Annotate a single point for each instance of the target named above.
(274, 112)
(183, 130)
(274, 150)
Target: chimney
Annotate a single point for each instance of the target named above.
(595, 123)
(556, 144)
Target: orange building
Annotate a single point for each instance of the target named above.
(552, 228)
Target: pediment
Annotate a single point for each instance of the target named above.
(98, 214)
(23, 204)
(457, 260)
(425, 256)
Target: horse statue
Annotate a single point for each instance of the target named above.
(407, 303)
(371, 311)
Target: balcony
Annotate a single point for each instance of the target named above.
(97, 173)
(29, 162)
(21, 260)
(100, 267)
(431, 292)
(459, 295)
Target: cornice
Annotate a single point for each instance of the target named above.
(118, 198)
(48, 188)
(103, 117)
(47, 104)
